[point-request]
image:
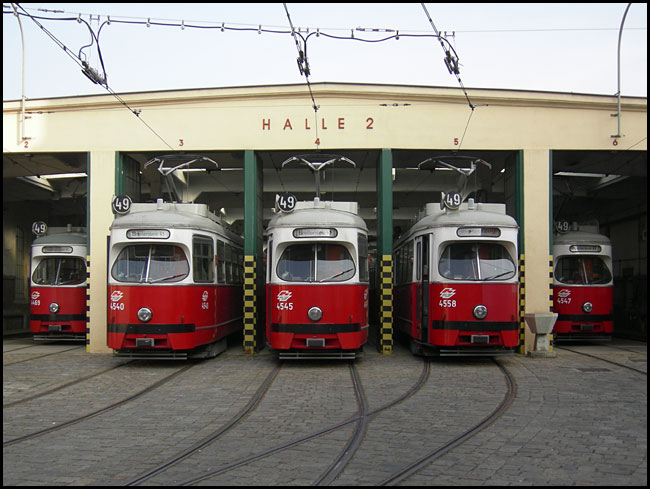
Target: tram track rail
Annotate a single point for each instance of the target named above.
(337, 466)
(604, 359)
(63, 386)
(19, 348)
(101, 411)
(499, 410)
(346, 454)
(247, 409)
(39, 357)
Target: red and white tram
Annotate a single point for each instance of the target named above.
(317, 281)
(456, 281)
(58, 284)
(583, 284)
(175, 282)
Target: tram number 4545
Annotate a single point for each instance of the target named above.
(284, 306)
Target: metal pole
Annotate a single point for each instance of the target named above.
(22, 98)
(620, 34)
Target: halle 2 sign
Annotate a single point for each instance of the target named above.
(289, 124)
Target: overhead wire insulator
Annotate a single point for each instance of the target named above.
(92, 74)
(452, 64)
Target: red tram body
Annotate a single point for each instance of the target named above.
(583, 285)
(58, 285)
(317, 281)
(456, 285)
(175, 282)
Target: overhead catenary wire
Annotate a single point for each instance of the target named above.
(90, 73)
(452, 62)
(303, 67)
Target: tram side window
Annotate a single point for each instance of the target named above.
(240, 266)
(582, 270)
(364, 274)
(60, 271)
(228, 261)
(409, 262)
(202, 253)
(221, 265)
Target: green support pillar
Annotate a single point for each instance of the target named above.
(385, 248)
(253, 258)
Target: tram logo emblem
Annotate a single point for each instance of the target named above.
(284, 295)
(36, 294)
(564, 293)
(447, 292)
(204, 296)
(117, 295)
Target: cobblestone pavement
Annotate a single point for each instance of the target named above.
(575, 419)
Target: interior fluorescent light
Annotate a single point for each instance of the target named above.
(64, 175)
(576, 174)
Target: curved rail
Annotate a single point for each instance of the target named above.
(252, 458)
(511, 391)
(603, 359)
(42, 356)
(67, 384)
(252, 404)
(99, 411)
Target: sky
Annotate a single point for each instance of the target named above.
(557, 47)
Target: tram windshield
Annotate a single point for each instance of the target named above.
(60, 270)
(316, 262)
(582, 270)
(150, 263)
(476, 261)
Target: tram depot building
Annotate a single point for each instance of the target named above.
(554, 157)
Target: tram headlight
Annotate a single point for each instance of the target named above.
(587, 307)
(480, 311)
(145, 314)
(315, 313)
(54, 308)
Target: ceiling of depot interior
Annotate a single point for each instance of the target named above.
(601, 185)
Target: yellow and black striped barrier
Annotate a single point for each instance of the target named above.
(386, 304)
(550, 293)
(522, 305)
(87, 303)
(250, 304)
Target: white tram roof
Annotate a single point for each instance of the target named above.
(320, 213)
(172, 215)
(469, 214)
(61, 235)
(580, 237)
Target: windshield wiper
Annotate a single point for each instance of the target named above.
(153, 281)
(336, 275)
(499, 275)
